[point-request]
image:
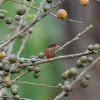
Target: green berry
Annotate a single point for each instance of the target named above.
(49, 1)
(84, 83)
(30, 30)
(17, 18)
(6, 68)
(6, 73)
(9, 84)
(79, 64)
(73, 72)
(1, 66)
(33, 60)
(96, 46)
(90, 59)
(14, 86)
(41, 55)
(30, 68)
(1, 73)
(66, 88)
(21, 60)
(36, 75)
(83, 59)
(8, 20)
(16, 97)
(14, 91)
(46, 7)
(91, 47)
(5, 61)
(2, 16)
(12, 70)
(12, 58)
(87, 76)
(65, 76)
(20, 10)
(37, 69)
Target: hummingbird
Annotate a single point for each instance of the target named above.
(49, 52)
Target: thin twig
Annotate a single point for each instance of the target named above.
(22, 45)
(38, 84)
(57, 58)
(44, 12)
(31, 25)
(79, 77)
(75, 38)
(19, 76)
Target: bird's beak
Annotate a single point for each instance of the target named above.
(58, 46)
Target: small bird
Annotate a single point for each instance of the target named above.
(49, 52)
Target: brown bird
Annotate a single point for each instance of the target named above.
(49, 52)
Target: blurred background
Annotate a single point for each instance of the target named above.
(49, 30)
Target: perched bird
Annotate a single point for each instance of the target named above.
(49, 52)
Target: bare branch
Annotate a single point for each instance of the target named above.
(2, 2)
(57, 58)
(31, 25)
(79, 77)
(36, 84)
(75, 38)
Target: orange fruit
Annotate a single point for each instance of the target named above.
(84, 2)
(61, 14)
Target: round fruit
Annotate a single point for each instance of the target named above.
(84, 2)
(65, 76)
(16, 97)
(83, 59)
(9, 84)
(8, 20)
(14, 86)
(49, 1)
(61, 14)
(14, 91)
(79, 64)
(87, 76)
(6, 68)
(30, 68)
(30, 30)
(66, 88)
(12, 70)
(36, 75)
(46, 7)
(20, 10)
(84, 83)
(33, 60)
(96, 46)
(17, 18)
(2, 16)
(90, 59)
(91, 47)
(73, 72)
(12, 58)
(41, 55)
(2, 54)
(21, 60)
(37, 69)
(1, 66)
(1, 73)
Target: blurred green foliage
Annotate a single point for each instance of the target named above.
(44, 32)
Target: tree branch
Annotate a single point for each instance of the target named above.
(79, 77)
